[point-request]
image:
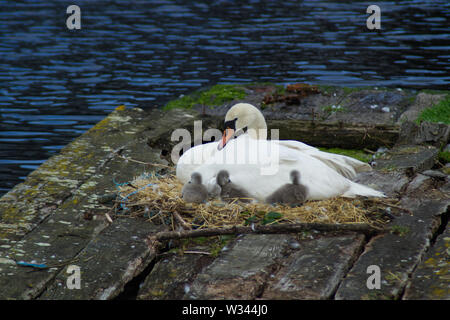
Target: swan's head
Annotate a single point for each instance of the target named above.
(196, 178)
(243, 118)
(223, 178)
(295, 177)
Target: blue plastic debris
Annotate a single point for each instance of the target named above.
(124, 198)
(34, 265)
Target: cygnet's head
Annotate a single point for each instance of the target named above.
(222, 178)
(295, 176)
(196, 178)
(241, 118)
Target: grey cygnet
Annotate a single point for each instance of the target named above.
(214, 191)
(291, 193)
(230, 191)
(194, 190)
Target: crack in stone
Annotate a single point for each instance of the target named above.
(440, 230)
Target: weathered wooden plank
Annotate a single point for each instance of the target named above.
(430, 187)
(46, 188)
(59, 238)
(395, 254)
(240, 272)
(407, 158)
(65, 232)
(337, 134)
(436, 134)
(171, 277)
(107, 263)
(392, 183)
(431, 280)
(331, 134)
(56, 180)
(315, 269)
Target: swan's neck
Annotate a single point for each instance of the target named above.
(258, 134)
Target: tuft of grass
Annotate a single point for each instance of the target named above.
(357, 154)
(216, 95)
(433, 91)
(218, 245)
(437, 113)
(388, 168)
(444, 157)
(333, 108)
(400, 230)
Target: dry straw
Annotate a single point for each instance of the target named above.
(157, 198)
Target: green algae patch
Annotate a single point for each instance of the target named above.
(216, 95)
(437, 113)
(357, 154)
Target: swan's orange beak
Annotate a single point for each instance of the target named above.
(227, 135)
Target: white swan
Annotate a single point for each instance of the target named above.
(261, 166)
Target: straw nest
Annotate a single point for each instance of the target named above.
(158, 199)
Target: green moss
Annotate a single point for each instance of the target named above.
(348, 90)
(216, 95)
(157, 293)
(432, 91)
(332, 108)
(444, 157)
(212, 244)
(280, 90)
(399, 230)
(437, 113)
(374, 295)
(388, 168)
(394, 277)
(218, 245)
(357, 154)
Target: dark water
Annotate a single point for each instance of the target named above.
(56, 83)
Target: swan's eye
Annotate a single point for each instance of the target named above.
(230, 124)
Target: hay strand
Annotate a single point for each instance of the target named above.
(158, 199)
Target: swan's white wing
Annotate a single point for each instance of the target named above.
(296, 145)
(346, 166)
(193, 158)
(357, 189)
(261, 167)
